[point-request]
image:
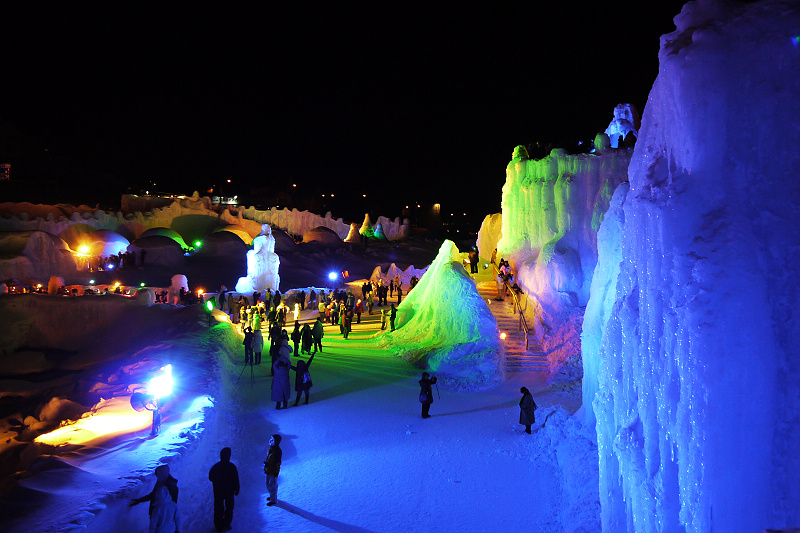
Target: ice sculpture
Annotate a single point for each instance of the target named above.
(262, 265)
(626, 121)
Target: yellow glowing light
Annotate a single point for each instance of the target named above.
(296, 310)
(503, 335)
(200, 292)
(116, 284)
(83, 249)
(106, 419)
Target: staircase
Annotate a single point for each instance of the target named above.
(517, 358)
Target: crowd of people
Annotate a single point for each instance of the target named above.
(270, 311)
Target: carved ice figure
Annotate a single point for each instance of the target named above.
(262, 265)
(353, 235)
(626, 120)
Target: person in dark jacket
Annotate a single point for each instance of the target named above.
(224, 477)
(425, 393)
(163, 510)
(272, 467)
(297, 336)
(306, 339)
(392, 316)
(526, 409)
(302, 378)
(317, 333)
(248, 346)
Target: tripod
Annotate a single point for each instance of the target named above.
(252, 379)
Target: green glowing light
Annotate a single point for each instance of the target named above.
(209, 305)
(197, 244)
(141, 284)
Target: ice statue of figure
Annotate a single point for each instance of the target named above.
(262, 265)
(626, 120)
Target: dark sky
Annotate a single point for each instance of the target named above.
(403, 102)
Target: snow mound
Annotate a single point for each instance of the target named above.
(223, 244)
(443, 324)
(324, 236)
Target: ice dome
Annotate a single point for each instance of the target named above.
(106, 242)
(195, 227)
(236, 229)
(160, 250)
(283, 241)
(77, 234)
(223, 243)
(324, 236)
(166, 232)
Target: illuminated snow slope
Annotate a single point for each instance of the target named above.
(696, 336)
(444, 324)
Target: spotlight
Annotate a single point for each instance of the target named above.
(503, 335)
(332, 276)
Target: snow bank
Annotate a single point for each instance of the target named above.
(444, 325)
(489, 235)
(698, 380)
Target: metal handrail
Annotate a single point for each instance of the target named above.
(523, 324)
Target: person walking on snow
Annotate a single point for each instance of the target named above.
(392, 316)
(526, 409)
(224, 477)
(383, 319)
(272, 467)
(425, 393)
(302, 379)
(258, 346)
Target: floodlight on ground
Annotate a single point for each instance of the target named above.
(332, 276)
(503, 335)
(197, 244)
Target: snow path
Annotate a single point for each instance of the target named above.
(360, 458)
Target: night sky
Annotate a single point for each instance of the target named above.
(402, 102)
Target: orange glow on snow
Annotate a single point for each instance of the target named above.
(107, 419)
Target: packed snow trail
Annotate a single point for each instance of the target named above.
(359, 457)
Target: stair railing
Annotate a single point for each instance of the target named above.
(523, 324)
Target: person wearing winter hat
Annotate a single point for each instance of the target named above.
(272, 467)
(425, 393)
(526, 409)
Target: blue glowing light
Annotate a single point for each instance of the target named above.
(333, 275)
(796, 40)
(161, 385)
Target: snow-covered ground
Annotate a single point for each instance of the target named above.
(358, 458)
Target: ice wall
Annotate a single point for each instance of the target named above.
(489, 235)
(552, 209)
(698, 402)
(443, 324)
